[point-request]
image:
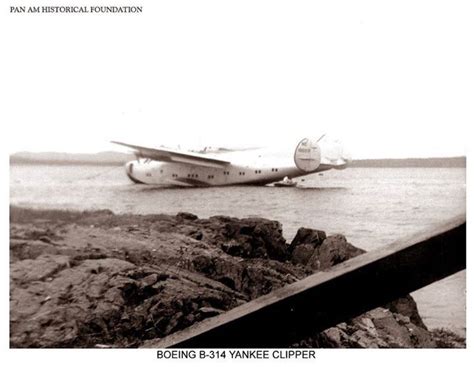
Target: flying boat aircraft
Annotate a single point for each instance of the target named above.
(220, 167)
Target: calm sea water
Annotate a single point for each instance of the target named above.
(370, 206)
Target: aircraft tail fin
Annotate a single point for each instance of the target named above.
(307, 155)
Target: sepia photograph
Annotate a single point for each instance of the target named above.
(235, 181)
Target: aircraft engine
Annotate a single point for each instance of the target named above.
(307, 155)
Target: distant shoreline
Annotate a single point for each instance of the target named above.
(38, 162)
(119, 159)
(448, 162)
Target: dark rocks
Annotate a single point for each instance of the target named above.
(158, 274)
(334, 250)
(186, 216)
(378, 328)
(308, 236)
(302, 254)
(257, 237)
(234, 248)
(203, 264)
(206, 312)
(407, 306)
(197, 235)
(321, 252)
(447, 339)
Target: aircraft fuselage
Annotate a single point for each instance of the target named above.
(179, 174)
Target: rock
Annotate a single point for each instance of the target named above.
(307, 236)
(395, 335)
(334, 250)
(334, 336)
(264, 237)
(149, 280)
(234, 248)
(402, 320)
(186, 216)
(203, 264)
(302, 253)
(209, 312)
(40, 268)
(197, 235)
(447, 339)
(366, 324)
(362, 339)
(407, 306)
(421, 337)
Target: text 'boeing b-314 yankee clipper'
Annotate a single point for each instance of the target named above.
(168, 167)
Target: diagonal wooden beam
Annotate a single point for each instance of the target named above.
(327, 298)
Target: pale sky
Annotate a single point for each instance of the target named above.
(389, 79)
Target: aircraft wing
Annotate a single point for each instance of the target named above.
(169, 155)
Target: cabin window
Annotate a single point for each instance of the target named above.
(148, 174)
(161, 171)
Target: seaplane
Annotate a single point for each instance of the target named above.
(224, 167)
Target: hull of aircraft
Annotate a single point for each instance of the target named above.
(178, 174)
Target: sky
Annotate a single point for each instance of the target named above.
(388, 79)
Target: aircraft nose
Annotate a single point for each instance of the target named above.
(129, 172)
(129, 168)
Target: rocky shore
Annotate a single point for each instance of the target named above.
(96, 279)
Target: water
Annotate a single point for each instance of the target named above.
(370, 206)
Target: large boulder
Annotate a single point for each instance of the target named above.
(407, 306)
(304, 243)
(308, 236)
(248, 237)
(334, 250)
(302, 253)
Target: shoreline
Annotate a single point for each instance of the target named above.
(92, 278)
